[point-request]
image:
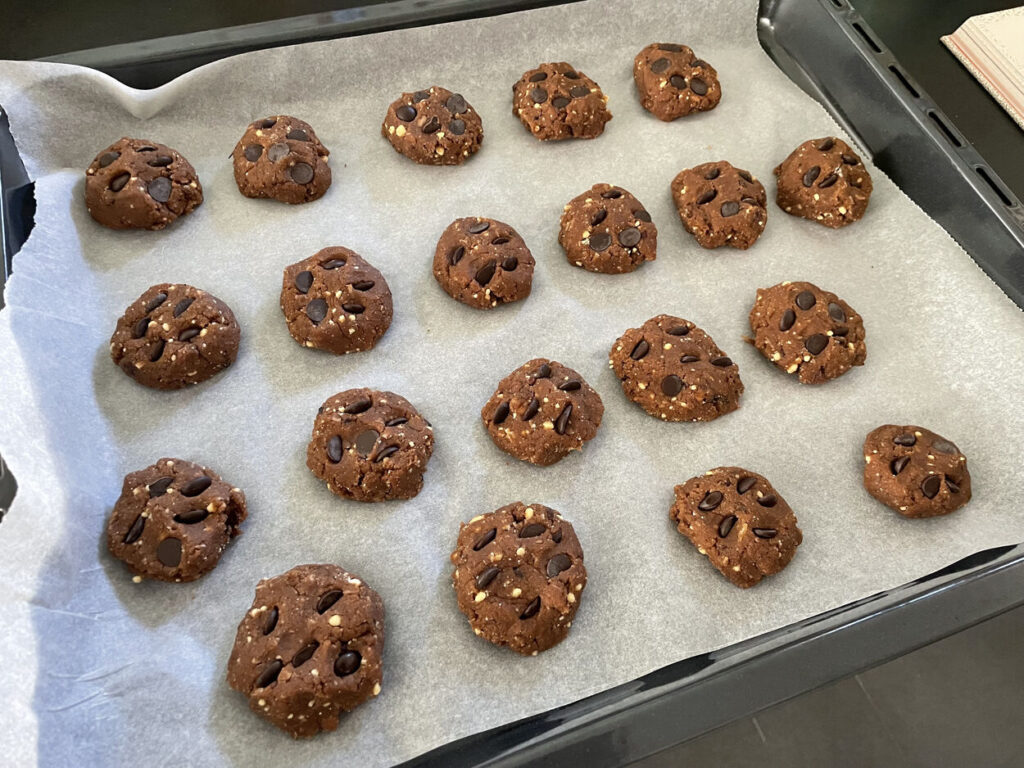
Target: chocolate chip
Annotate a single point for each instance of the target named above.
(688, 359)
(579, 91)
(836, 312)
(679, 330)
(768, 500)
(531, 610)
(271, 621)
(140, 328)
(268, 123)
(905, 439)
(562, 422)
(816, 344)
(108, 158)
(714, 173)
(301, 173)
(347, 663)
(698, 63)
(479, 226)
(811, 175)
(543, 372)
(485, 273)
(196, 486)
(146, 148)
(953, 487)
(405, 113)
(161, 161)
(189, 333)
(787, 320)
(158, 351)
(698, 86)
(501, 413)
(537, 77)
(486, 577)
(433, 125)
(850, 159)
(531, 409)
(366, 440)
(192, 516)
(629, 237)
(678, 81)
(457, 127)
(898, 465)
(269, 674)
(944, 446)
(252, 152)
(659, 65)
(456, 104)
(297, 134)
(710, 501)
(827, 144)
(560, 102)
(384, 452)
(611, 194)
(726, 524)
(135, 531)
(828, 181)
(333, 263)
(600, 216)
(571, 74)
(600, 241)
(671, 385)
(363, 285)
(316, 311)
(485, 539)
(557, 536)
(277, 152)
(805, 300)
(640, 350)
(168, 552)
(722, 362)
(538, 95)
(931, 485)
(765, 533)
(570, 386)
(510, 263)
(420, 96)
(642, 215)
(160, 189)
(395, 422)
(159, 487)
(707, 197)
(730, 208)
(353, 309)
(531, 530)
(156, 301)
(118, 182)
(558, 563)
(744, 175)
(455, 254)
(305, 654)
(181, 306)
(334, 447)
(327, 599)
(744, 484)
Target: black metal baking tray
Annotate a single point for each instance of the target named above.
(830, 51)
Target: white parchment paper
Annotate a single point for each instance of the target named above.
(97, 670)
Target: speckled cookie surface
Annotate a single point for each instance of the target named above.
(807, 331)
(370, 446)
(336, 301)
(739, 522)
(720, 205)
(281, 158)
(672, 82)
(606, 229)
(174, 335)
(483, 263)
(825, 181)
(309, 648)
(675, 371)
(173, 520)
(433, 127)
(542, 411)
(556, 101)
(139, 184)
(915, 471)
(519, 576)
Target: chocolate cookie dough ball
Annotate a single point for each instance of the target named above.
(173, 521)
(542, 411)
(309, 648)
(433, 127)
(721, 205)
(175, 335)
(556, 101)
(280, 157)
(807, 331)
(336, 301)
(139, 184)
(825, 181)
(519, 576)
(675, 371)
(672, 82)
(483, 263)
(370, 446)
(915, 471)
(606, 229)
(739, 522)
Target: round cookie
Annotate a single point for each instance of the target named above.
(139, 184)
(483, 263)
(675, 371)
(721, 205)
(825, 181)
(433, 127)
(606, 229)
(542, 411)
(370, 446)
(807, 331)
(672, 82)
(519, 576)
(309, 648)
(556, 101)
(173, 521)
(174, 335)
(738, 520)
(915, 471)
(281, 158)
(336, 301)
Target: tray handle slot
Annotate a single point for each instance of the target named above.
(942, 126)
(904, 81)
(867, 37)
(995, 185)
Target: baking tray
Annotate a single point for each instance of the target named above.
(830, 52)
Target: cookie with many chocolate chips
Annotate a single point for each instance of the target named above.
(370, 446)
(720, 205)
(675, 371)
(672, 82)
(309, 648)
(519, 576)
(433, 127)
(606, 229)
(174, 335)
(280, 157)
(139, 184)
(556, 101)
(542, 411)
(739, 522)
(807, 331)
(825, 181)
(335, 300)
(915, 471)
(483, 263)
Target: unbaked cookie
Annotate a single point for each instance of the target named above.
(542, 411)
(433, 127)
(672, 82)
(606, 229)
(309, 648)
(174, 335)
(483, 263)
(721, 205)
(915, 471)
(556, 101)
(807, 331)
(139, 184)
(738, 520)
(519, 576)
(675, 371)
(370, 446)
(280, 157)
(335, 300)
(825, 181)
(173, 521)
